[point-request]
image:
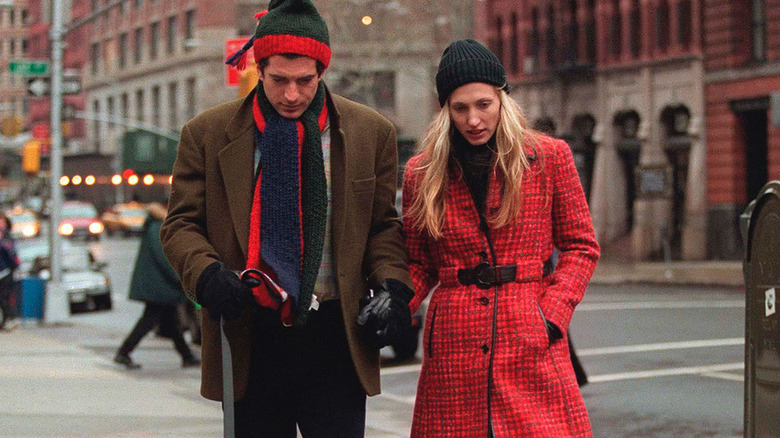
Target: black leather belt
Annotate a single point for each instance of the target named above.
(485, 276)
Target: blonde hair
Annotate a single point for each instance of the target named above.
(511, 161)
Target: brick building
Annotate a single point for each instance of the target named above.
(14, 44)
(742, 92)
(159, 62)
(622, 81)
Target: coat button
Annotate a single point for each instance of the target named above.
(484, 301)
(485, 348)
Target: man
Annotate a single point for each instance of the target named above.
(299, 184)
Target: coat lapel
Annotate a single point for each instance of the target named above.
(236, 163)
(338, 160)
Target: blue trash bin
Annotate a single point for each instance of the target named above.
(33, 289)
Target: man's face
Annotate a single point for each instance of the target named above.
(290, 84)
(475, 110)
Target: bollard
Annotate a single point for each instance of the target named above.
(761, 232)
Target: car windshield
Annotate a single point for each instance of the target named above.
(30, 252)
(78, 211)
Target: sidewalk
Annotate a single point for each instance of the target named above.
(704, 273)
(54, 388)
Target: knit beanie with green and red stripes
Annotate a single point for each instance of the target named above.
(289, 26)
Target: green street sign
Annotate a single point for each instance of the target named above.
(29, 68)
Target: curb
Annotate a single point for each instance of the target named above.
(716, 273)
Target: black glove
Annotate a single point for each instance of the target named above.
(221, 292)
(553, 332)
(386, 316)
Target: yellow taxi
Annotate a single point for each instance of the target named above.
(126, 218)
(24, 223)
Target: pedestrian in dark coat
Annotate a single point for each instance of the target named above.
(9, 261)
(485, 203)
(156, 284)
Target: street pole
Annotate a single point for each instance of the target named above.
(56, 303)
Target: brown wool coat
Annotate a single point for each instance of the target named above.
(209, 209)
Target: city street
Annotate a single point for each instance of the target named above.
(662, 362)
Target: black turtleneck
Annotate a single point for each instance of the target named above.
(476, 162)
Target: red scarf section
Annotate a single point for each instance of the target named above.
(271, 295)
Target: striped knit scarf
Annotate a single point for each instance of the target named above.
(291, 181)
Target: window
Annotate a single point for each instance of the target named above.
(758, 29)
(190, 103)
(662, 26)
(574, 33)
(25, 46)
(110, 111)
(12, 47)
(533, 39)
(139, 4)
(25, 17)
(139, 43)
(96, 125)
(636, 29)
(171, 47)
(189, 25)
(95, 58)
(156, 105)
(173, 105)
(616, 30)
(139, 105)
(552, 44)
(95, 5)
(155, 40)
(514, 63)
(122, 50)
(11, 17)
(498, 45)
(590, 31)
(684, 23)
(124, 103)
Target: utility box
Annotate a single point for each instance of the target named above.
(32, 297)
(761, 228)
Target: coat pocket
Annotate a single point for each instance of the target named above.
(429, 329)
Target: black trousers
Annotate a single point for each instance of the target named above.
(302, 376)
(8, 297)
(166, 316)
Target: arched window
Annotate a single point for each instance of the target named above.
(533, 48)
(590, 31)
(498, 46)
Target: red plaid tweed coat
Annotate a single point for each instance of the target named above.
(487, 358)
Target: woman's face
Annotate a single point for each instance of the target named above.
(475, 110)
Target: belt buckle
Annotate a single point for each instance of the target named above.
(480, 270)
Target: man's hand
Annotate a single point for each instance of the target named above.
(222, 293)
(386, 316)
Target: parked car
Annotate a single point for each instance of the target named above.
(24, 223)
(80, 219)
(127, 218)
(83, 279)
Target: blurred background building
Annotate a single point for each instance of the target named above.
(671, 107)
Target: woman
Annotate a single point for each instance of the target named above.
(485, 202)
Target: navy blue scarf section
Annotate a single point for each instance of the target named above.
(293, 198)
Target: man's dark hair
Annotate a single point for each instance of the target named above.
(264, 62)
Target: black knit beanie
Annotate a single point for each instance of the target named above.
(467, 61)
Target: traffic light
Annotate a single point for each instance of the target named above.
(247, 80)
(31, 157)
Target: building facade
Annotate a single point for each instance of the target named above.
(158, 63)
(622, 81)
(386, 52)
(15, 21)
(742, 92)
